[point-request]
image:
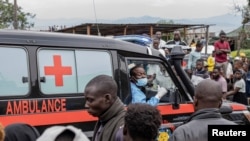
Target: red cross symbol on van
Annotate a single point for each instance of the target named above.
(58, 70)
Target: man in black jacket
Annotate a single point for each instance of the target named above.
(102, 102)
(207, 101)
(177, 40)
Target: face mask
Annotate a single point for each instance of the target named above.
(142, 82)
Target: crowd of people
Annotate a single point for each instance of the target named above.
(161, 45)
(231, 73)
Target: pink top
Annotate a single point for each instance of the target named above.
(222, 57)
(223, 83)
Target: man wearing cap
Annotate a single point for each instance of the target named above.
(222, 48)
(243, 57)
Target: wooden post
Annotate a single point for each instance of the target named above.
(125, 30)
(151, 31)
(206, 38)
(88, 29)
(185, 36)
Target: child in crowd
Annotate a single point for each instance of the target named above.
(211, 62)
(239, 90)
(199, 73)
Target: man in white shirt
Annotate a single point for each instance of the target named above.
(158, 35)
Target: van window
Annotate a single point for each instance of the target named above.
(91, 64)
(68, 71)
(157, 76)
(13, 72)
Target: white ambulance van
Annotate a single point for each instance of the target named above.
(43, 76)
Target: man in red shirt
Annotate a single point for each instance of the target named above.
(222, 48)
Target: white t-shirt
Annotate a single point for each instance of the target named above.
(196, 79)
(229, 71)
(162, 51)
(162, 43)
(177, 42)
(240, 84)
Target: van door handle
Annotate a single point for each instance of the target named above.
(25, 79)
(42, 79)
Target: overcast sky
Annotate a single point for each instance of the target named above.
(117, 9)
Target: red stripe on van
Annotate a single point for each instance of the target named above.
(238, 107)
(49, 118)
(168, 109)
(78, 116)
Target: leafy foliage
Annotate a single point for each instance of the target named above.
(244, 10)
(7, 16)
(246, 51)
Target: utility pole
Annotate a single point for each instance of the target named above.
(207, 36)
(15, 24)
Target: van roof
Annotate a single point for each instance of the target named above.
(55, 39)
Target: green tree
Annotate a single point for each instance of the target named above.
(245, 13)
(7, 16)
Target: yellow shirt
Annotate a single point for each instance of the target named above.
(210, 63)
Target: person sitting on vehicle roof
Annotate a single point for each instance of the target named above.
(138, 81)
(177, 39)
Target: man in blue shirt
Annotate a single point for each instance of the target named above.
(194, 56)
(139, 80)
